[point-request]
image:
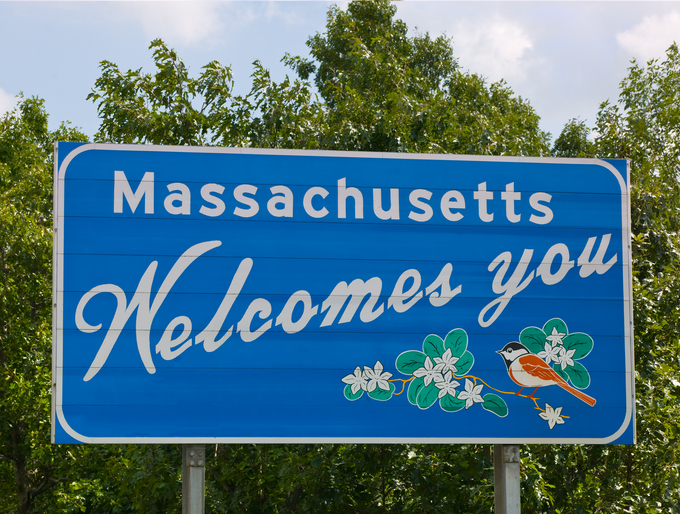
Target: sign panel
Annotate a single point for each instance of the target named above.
(235, 295)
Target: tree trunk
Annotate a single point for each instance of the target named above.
(21, 478)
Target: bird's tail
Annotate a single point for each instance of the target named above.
(581, 396)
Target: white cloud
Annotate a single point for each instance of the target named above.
(182, 22)
(280, 11)
(496, 48)
(650, 38)
(200, 22)
(7, 101)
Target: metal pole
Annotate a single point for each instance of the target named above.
(193, 479)
(506, 478)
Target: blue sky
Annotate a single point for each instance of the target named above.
(564, 57)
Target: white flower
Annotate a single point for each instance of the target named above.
(446, 385)
(471, 394)
(566, 357)
(448, 361)
(356, 380)
(377, 378)
(429, 372)
(551, 353)
(552, 416)
(556, 337)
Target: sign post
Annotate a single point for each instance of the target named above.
(506, 478)
(297, 296)
(193, 479)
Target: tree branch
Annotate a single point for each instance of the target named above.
(216, 476)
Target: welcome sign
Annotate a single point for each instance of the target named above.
(240, 295)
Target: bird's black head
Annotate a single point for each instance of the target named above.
(512, 351)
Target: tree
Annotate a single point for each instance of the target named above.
(34, 474)
(573, 141)
(29, 465)
(385, 91)
(645, 128)
(157, 109)
(164, 108)
(380, 90)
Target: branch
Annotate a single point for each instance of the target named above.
(293, 499)
(219, 481)
(47, 484)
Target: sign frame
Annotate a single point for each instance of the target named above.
(62, 431)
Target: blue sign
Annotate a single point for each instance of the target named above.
(241, 295)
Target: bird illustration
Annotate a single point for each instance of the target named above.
(529, 370)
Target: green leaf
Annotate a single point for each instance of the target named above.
(464, 363)
(350, 396)
(410, 361)
(414, 388)
(381, 394)
(558, 369)
(457, 341)
(533, 338)
(578, 375)
(428, 396)
(496, 404)
(433, 346)
(555, 323)
(451, 404)
(582, 343)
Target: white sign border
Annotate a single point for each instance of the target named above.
(58, 288)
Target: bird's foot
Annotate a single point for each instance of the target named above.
(532, 394)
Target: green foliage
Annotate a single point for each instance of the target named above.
(159, 109)
(349, 478)
(381, 90)
(378, 90)
(645, 128)
(172, 108)
(387, 92)
(29, 465)
(273, 115)
(573, 141)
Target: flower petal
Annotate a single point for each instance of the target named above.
(383, 384)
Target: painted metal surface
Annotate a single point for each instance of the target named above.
(207, 295)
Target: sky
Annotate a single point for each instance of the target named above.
(566, 58)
